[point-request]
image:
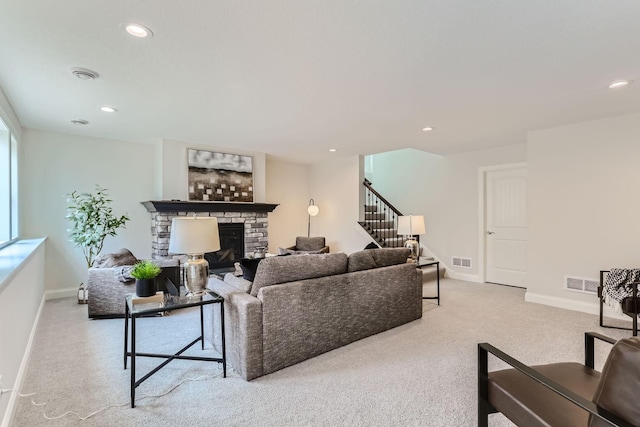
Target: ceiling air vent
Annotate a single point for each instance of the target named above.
(580, 284)
(461, 262)
(84, 74)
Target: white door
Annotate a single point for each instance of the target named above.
(506, 228)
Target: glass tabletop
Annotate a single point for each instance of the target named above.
(164, 302)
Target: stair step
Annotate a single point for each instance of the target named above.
(394, 242)
(370, 208)
(377, 224)
(370, 216)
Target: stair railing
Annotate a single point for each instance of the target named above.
(384, 235)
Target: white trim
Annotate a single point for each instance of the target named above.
(570, 304)
(61, 293)
(482, 188)
(17, 385)
(463, 276)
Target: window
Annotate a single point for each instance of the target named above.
(8, 186)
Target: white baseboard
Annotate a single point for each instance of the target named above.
(569, 304)
(61, 293)
(17, 385)
(463, 276)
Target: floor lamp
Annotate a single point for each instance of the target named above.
(194, 236)
(312, 210)
(410, 226)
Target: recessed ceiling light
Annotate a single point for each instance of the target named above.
(619, 83)
(137, 30)
(333, 150)
(80, 122)
(427, 129)
(108, 109)
(84, 73)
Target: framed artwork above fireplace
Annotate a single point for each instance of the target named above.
(219, 177)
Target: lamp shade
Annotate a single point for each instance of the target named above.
(411, 225)
(313, 210)
(194, 235)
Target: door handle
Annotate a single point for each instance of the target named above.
(491, 232)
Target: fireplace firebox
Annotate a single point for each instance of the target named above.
(231, 246)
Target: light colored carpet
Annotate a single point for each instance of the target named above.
(419, 374)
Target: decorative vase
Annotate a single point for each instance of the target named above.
(145, 287)
(260, 252)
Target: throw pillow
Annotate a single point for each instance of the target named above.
(123, 273)
(285, 251)
(115, 259)
(237, 282)
(249, 267)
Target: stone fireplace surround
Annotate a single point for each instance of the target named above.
(254, 216)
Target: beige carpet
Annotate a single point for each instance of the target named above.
(419, 374)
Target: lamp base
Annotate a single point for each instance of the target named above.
(196, 274)
(414, 246)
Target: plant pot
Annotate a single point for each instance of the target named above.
(145, 287)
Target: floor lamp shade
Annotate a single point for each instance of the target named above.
(312, 210)
(194, 236)
(409, 226)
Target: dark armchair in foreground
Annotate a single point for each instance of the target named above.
(564, 394)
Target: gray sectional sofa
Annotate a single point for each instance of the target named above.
(300, 306)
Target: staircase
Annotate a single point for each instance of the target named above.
(381, 222)
(380, 219)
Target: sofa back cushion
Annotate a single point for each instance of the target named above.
(375, 258)
(309, 243)
(619, 384)
(283, 269)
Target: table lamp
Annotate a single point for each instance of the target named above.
(410, 226)
(194, 236)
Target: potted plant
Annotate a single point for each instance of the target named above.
(92, 220)
(145, 273)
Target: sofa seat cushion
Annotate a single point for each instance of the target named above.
(376, 258)
(283, 269)
(528, 403)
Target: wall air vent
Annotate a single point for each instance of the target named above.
(581, 284)
(461, 262)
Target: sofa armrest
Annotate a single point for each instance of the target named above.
(243, 329)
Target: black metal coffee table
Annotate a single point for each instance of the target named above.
(134, 310)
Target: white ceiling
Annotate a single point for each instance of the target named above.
(294, 78)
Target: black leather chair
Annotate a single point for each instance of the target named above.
(630, 305)
(564, 394)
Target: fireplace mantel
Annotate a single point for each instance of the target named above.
(183, 206)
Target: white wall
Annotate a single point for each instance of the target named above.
(287, 184)
(54, 165)
(335, 187)
(584, 208)
(445, 190)
(173, 174)
(21, 296)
